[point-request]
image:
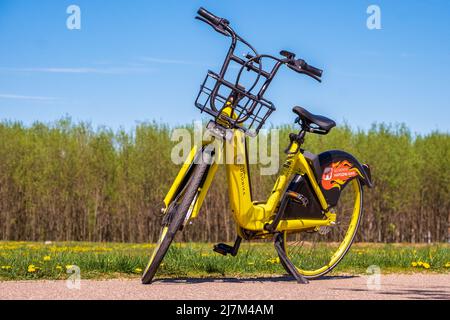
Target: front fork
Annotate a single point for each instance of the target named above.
(182, 179)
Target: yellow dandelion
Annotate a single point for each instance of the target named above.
(69, 266)
(138, 270)
(447, 265)
(420, 263)
(58, 268)
(32, 268)
(273, 260)
(414, 264)
(6, 267)
(47, 258)
(426, 265)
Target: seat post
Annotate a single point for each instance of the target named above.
(299, 138)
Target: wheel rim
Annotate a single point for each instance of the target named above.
(162, 235)
(315, 253)
(166, 225)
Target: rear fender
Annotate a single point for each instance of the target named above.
(338, 168)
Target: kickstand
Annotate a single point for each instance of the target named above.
(287, 264)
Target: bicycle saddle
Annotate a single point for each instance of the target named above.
(322, 122)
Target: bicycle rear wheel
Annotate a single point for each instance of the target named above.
(173, 220)
(316, 252)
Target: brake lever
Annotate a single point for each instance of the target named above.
(219, 28)
(300, 63)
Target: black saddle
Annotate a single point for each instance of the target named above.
(324, 124)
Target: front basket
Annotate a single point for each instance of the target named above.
(232, 106)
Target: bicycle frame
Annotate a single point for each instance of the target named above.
(247, 213)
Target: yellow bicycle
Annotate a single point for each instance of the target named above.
(315, 206)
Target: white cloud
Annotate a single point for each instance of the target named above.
(81, 70)
(22, 97)
(167, 61)
(61, 70)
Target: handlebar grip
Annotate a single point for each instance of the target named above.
(202, 12)
(303, 68)
(315, 71)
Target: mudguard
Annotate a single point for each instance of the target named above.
(338, 168)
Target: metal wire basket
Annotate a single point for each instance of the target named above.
(232, 106)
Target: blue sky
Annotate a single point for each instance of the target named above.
(138, 61)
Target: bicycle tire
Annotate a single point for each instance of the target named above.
(310, 275)
(168, 232)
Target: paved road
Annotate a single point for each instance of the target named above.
(417, 286)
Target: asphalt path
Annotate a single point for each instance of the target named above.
(391, 286)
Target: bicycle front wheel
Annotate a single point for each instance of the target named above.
(173, 220)
(316, 252)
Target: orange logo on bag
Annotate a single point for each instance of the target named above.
(337, 174)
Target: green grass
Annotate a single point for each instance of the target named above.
(110, 260)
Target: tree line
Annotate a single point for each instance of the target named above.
(69, 181)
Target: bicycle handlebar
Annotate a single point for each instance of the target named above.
(219, 24)
(315, 71)
(301, 66)
(202, 12)
(222, 26)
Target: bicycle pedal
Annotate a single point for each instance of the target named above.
(222, 248)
